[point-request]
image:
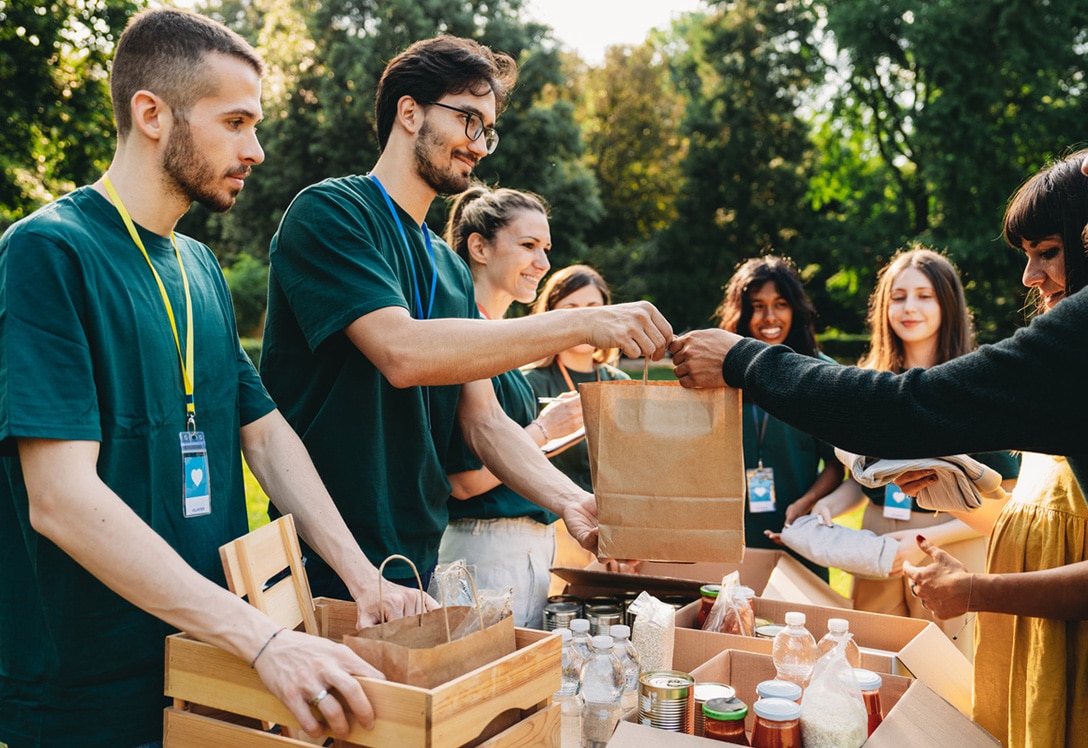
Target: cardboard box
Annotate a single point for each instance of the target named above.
(485, 704)
(889, 644)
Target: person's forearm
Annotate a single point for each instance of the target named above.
(828, 480)
(71, 506)
(1060, 593)
(282, 466)
(947, 533)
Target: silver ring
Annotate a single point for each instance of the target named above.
(317, 699)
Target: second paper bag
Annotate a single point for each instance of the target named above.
(668, 470)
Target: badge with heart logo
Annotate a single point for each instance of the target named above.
(196, 494)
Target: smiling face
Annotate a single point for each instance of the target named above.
(213, 147)
(772, 314)
(444, 155)
(1045, 271)
(586, 296)
(913, 310)
(517, 259)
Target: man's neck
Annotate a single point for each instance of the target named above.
(405, 187)
(144, 197)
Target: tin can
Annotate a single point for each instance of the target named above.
(602, 617)
(567, 599)
(559, 615)
(704, 692)
(678, 601)
(627, 598)
(666, 701)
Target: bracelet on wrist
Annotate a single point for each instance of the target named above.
(543, 431)
(264, 646)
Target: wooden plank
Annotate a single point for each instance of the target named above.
(185, 730)
(539, 730)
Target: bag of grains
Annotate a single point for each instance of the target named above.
(653, 630)
(832, 711)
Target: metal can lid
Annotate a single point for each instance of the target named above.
(769, 632)
(666, 679)
(725, 709)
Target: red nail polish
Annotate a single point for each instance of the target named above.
(920, 538)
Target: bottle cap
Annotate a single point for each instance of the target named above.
(619, 631)
(602, 642)
(867, 679)
(778, 689)
(779, 710)
(793, 618)
(579, 624)
(564, 634)
(725, 709)
(838, 625)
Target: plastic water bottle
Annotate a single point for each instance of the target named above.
(602, 690)
(628, 656)
(569, 694)
(837, 630)
(580, 638)
(794, 651)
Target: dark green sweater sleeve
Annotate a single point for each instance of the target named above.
(1026, 392)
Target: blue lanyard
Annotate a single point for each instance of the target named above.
(408, 249)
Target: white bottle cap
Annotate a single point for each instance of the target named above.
(794, 618)
(838, 625)
(564, 634)
(579, 624)
(602, 642)
(619, 630)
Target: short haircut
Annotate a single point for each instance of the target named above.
(956, 335)
(1054, 202)
(163, 50)
(735, 310)
(432, 68)
(485, 211)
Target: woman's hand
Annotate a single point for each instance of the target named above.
(944, 586)
(562, 416)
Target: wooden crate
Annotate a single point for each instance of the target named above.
(482, 705)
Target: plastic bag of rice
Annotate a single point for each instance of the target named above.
(832, 710)
(652, 634)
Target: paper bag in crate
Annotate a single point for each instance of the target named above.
(419, 651)
(668, 470)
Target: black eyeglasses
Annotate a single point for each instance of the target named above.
(474, 125)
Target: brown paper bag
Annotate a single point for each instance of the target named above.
(668, 470)
(417, 650)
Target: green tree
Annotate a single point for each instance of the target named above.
(742, 70)
(958, 101)
(54, 97)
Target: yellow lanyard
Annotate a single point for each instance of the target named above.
(186, 360)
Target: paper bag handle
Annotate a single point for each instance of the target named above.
(381, 597)
(646, 369)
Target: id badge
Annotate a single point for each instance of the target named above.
(896, 503)
(195, 491)
(761, 490)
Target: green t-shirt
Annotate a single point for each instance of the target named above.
(548, 381)
(381, 451)
(518, 402)
(87, 353)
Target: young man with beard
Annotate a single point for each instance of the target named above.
(127, 402)
(373, 344)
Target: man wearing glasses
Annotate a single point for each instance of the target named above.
(373, 346)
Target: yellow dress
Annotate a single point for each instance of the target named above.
(1031, 674)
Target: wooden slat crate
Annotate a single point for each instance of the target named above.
(449, 716)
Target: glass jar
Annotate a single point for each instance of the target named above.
(779, 689)
(777, 724)
(708, 594)
(723, 720)
(870, 684)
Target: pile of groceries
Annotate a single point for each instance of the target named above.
(819, 698)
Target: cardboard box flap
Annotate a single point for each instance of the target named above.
(921, 717)
(933, 659)
(615, 582)
(792, 582)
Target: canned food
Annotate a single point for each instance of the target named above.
(567, 599)
(559, 615)
(704, 692)
(666, 700)
(627, 598)
(602, 617)
(768, 632)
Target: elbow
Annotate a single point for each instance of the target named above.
(401, 374)
(42, 512)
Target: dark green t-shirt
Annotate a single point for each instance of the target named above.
(87, 353)
(548, 381)
(518, 402)
(381, 450)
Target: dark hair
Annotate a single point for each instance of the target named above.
(561, 284)
(956, 335)
(735, 309)
(1054, 202)
(431, 68)
(484, 211)
(164, 50)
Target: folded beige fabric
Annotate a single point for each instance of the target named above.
(962, 481)
(863, 553)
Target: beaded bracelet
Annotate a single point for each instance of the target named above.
(265, 646)
(540, 426)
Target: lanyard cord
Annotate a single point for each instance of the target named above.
(761, 431)
(187, 359)
(566, 375)
(408, 249)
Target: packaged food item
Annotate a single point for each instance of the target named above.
(870, 683)
(777, 724)
(723, 720)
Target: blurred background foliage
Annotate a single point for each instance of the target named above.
(831, 132)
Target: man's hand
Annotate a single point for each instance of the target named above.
(297, 668)
(580, 517)
(943, 586)
(396, 602)
(637, 328)
(697, 357)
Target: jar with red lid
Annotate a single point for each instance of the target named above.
(708, 594)
(870, 684)
(723, 720)
(777, 724)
